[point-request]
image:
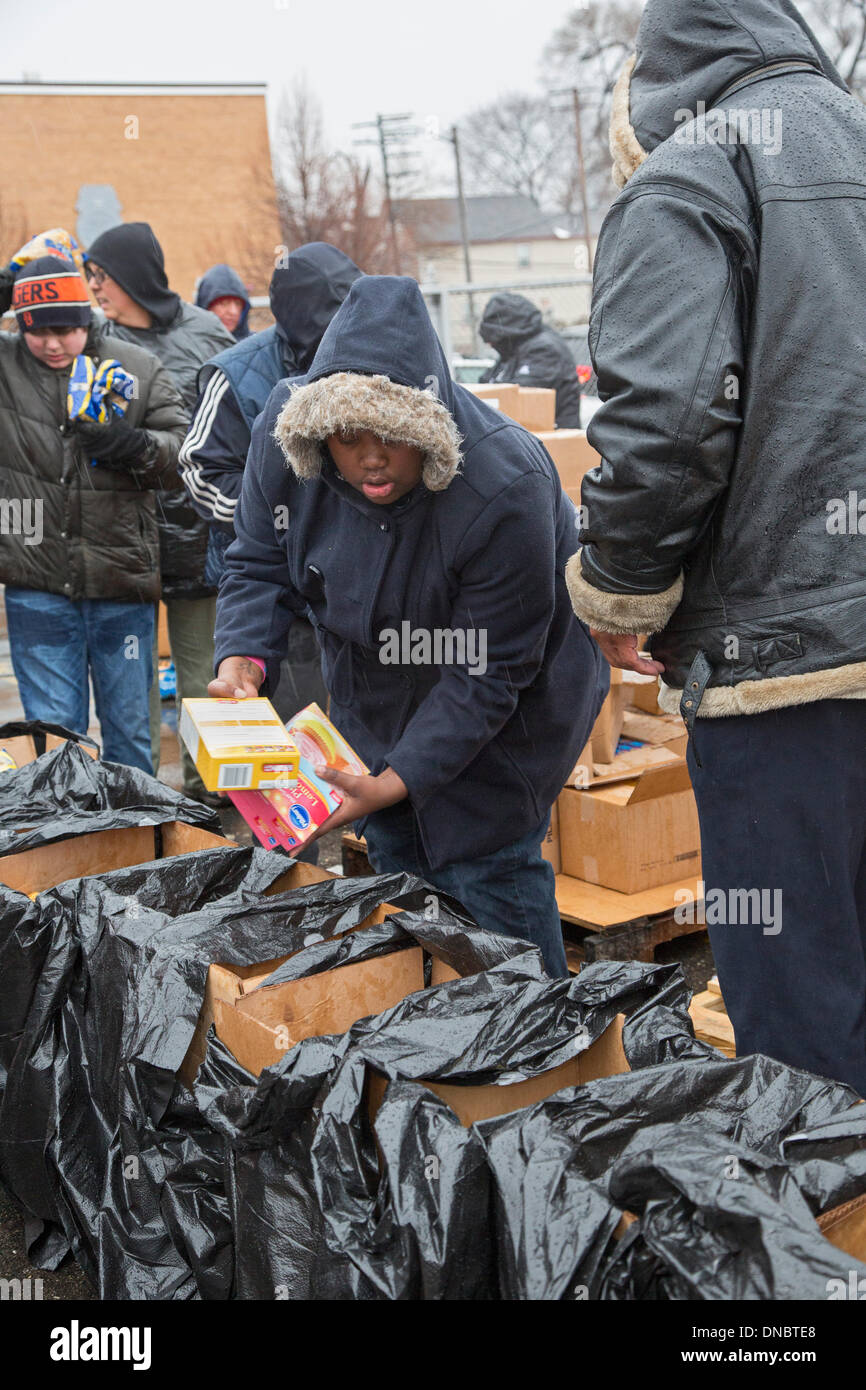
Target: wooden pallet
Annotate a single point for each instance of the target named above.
(606, 925)
(353, 854)
(710, 1019)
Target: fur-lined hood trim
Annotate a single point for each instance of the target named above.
(627, 151)
(350, 401)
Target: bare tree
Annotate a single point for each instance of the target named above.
(520, 144)
(325, 194)
(840, 25)
(587, 52)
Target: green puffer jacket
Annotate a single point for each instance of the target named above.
(67, 527)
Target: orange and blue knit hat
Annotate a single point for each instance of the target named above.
(49, 293)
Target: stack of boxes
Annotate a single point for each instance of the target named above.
(627, 820)
(535, 410)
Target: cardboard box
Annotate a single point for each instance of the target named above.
(582, 773)
(238, 744)
(230, 982)
(644, 691)
(633, 835)
(597, 909)
(499, 395)
(604, 1057)
(608, 725)
(289, 817)
(162, 642)
(536, 408)
(573, 457)
(21, 749)
(633, 762)
(660, 730)
(99, 852)
(259, 1026)
(550, 843)
(845, 1227)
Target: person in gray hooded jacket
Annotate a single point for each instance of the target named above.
(724, 519)
(126, 270)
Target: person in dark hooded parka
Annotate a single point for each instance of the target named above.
(234, 387)
(531, 354)
(731, 272)
(427, 541)
(222, 292)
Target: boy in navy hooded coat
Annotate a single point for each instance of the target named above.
(425, 537)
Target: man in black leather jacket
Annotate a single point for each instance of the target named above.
(727, 516)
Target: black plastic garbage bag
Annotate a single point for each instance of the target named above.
(828, 1160)
(66, 792)
(103, 1146)
(63, 793)
(37, 730)
(551, 1166)
(327, 1206)
(722, 1221)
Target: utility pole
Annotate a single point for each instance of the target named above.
(395, 244)
(454, 139)
(388, 129)
(581, 170)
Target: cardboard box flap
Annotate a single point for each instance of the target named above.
(471, 1104)
(21, 749)
(180, 838)
(319, 1005)
(845, 1227)
(661, 781)
(55, 741)
(250, 1042)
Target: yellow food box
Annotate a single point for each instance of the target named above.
(239, 745)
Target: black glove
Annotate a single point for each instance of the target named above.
(115, 445)
(7, 280)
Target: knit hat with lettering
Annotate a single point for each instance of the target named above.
(49, 293)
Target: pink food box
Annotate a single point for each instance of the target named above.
(289, 816)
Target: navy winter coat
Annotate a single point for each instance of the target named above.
(483, 755)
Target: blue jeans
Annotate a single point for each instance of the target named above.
(54, 640)
(512, 891)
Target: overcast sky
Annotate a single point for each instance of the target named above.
(438, 59)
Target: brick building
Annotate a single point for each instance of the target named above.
(193, 159)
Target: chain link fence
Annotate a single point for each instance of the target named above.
(456, 310)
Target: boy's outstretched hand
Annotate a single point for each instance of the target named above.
(361, 795)
(236, 679)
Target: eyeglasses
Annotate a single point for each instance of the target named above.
(95, 276)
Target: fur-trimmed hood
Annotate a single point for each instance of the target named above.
(379, 367)
(690, 51)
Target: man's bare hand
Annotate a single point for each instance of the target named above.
(622, 651)
(236, 679)
(361, 796)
